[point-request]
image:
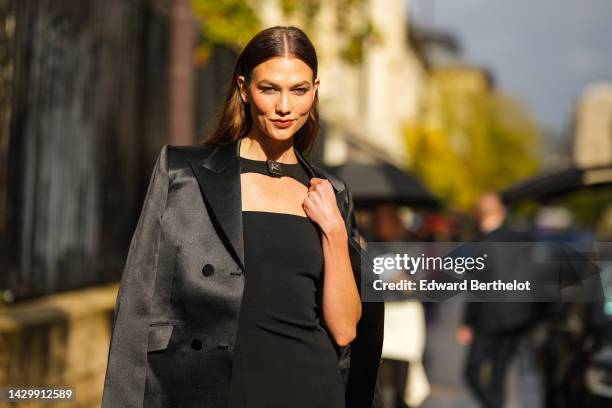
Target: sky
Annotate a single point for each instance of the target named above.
(542, 52)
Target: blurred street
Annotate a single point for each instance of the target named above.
(444, 360)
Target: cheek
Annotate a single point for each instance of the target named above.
(303, 105)
(261, 105)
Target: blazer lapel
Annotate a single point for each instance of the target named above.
(337, 186)
(219, 178)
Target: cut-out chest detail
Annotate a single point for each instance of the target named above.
(262, 191)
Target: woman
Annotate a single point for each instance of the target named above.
(241, 283)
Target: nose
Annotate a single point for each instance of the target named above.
(283, 105)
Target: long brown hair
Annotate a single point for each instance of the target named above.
(235, 120)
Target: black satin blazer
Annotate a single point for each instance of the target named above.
(177, 309)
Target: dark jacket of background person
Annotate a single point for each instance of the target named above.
(177, 310)
(497, 326)
(505, 264)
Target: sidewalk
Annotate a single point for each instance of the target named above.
(444, 360)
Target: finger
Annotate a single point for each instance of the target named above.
(306, 204)
(323, 184)
(324, 189)
(315, 181)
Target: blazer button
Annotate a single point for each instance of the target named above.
(208, 270)
(196, 344)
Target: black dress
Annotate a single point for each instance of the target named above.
(283, 356)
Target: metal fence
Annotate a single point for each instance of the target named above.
(86, 120)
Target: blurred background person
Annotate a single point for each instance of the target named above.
(492, 330)
(405, 383)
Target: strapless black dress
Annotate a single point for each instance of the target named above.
(283, 355)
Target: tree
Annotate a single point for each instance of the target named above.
(224, 22)
(470, 139)
(232, 23)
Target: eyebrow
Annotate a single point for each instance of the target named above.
(266, 81)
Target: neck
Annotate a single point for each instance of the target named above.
(490, 224)
(256, 147)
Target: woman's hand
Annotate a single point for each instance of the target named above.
(321, 207)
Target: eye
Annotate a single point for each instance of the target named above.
(300, 91)
(267, 89)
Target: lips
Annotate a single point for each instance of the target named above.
(282, 124)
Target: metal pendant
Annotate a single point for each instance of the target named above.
(274, 168)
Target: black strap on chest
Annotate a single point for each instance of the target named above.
(275, 169)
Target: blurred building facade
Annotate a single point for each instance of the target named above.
(454, 87)
(593, 127)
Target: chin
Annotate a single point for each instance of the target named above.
(281, 135)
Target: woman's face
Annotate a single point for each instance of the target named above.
(280, 94)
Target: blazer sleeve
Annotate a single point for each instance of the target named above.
(362, 389)
(127, 360)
